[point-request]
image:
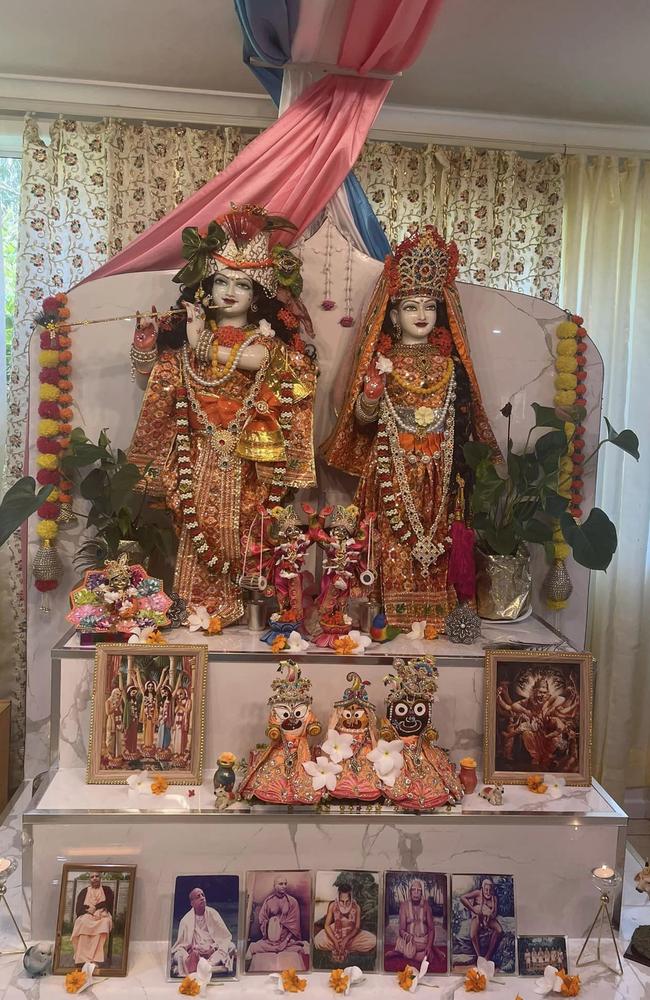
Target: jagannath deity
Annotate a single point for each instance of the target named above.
(351, 736)
(427, 779)
(347, 548)
(412, 403)
(276, 772)
(226, 420)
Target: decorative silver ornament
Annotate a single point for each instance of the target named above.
(557, 587)
(177, 612)
(367, 578)
(462, 624)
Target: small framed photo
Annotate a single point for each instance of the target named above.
(537, 716)
(148, 709)
(205, 924)
(346, 920)
(416, 920)
(536, 951)
(483, 921)
(278, 921)
(94, 920)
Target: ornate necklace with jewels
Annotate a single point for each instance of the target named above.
(423, 386)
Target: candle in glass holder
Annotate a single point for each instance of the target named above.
(603, 872)
(4, 864)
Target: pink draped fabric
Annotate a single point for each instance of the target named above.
(297, 164)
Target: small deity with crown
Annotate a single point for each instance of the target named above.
(282, 550)
(351, 736)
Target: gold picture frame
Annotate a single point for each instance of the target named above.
(147, 713)
(106, 940)
(552, 690)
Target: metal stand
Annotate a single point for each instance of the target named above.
(3, 897)
(601, 914)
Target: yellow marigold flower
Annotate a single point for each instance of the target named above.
(475, 981)
(227, 758)
(567, 348)
(47, 461)
(565, 330)
(47, 530)
(48, 393)
(565, 381)
(339, 981)
(569, 428)
(467, 762)
(558, 536)
(48, 428)
(536, 784)
(562, 550)
(570, 984)
(430, 632)
(278, 644)
(564, 397)
(214, 625)
(344, 645)
(292, 982)
(48, 359)
(405, 977)
(159, 785)
(156, 638)
(189, 987)
(74, 981)
(564, 364)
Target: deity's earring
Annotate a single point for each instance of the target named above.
(207, 300)
(398, 328)
(254, 308)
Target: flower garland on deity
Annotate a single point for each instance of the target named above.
(226, 421)
(412, 403)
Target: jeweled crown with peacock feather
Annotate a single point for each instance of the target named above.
(414, 679)
(292, 688)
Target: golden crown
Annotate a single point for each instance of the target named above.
(357, 693)
(422, 264)
(413, 679)
(284, 517)
(345, 517)
(292, 688)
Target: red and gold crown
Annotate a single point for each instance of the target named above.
(423, 264)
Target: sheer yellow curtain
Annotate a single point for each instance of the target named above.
(605, 268)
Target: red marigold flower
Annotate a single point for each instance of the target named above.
(48, 511)
(49, 411)
(51, 304)
(45, 585)
(47, 446)
(49, 375)
(47, 476)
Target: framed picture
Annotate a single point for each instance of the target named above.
(278, 920)
(536, 951)
(147, 713)
(94, 918)
(416, 918)
(205, 924)
(483, 921)
(537, 716)
(346, 920)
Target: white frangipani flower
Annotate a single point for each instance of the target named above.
(141, 634)
(355, 977)
(338, 746)
(296, 643)
(199, 618)
(322, 772)
(555, 785)
(387, 760)
(203, 975)
(384, 365)
(419, 975)
(361, 641)
(549, 983)
(417, 631)
(265, 328)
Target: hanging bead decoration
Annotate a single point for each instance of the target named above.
(348, 318)
(328, 302)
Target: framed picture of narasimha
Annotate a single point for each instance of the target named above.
(538, 715)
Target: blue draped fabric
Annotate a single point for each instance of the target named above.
(268, 27)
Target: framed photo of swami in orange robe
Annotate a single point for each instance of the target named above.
(538, 716)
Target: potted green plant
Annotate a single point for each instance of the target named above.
(19, 502)
(519, 503)
(120, 516)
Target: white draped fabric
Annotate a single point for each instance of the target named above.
(605, 267)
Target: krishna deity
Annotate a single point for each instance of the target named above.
(226, 420)
(412, 403)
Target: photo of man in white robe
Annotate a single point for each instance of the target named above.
(203, 934)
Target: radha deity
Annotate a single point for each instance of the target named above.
(412, 404)
(226, 421)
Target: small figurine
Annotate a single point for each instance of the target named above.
(37, 960)
(642, 879)
(352, 735)
(276, 772)
(224, 776)
(492, 794)
(347, 564)
(428, 778)
(283, 549)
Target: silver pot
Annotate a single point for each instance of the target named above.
(503, 585)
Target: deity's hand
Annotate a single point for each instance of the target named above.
(195, 322)
(146, 331)
(374, 382)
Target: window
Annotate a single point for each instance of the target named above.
(10, 169)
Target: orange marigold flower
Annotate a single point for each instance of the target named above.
(536, 784)
(278, 644)
(156, 638)
(61, 298)
(339, 981)
(65, 384)
(64, 370)
(66, 413)
(214, 625)
(344, 645)
(189, 987)
(64, 340)
(159, 786)
(475, 981)
(430, 632)
(74, 981)
(292, 982)
(405, 977)
(570, 984)
(66, 428)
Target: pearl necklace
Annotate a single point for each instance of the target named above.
(207, 383)
(439, 413)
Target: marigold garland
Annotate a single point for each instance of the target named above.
(53, 429)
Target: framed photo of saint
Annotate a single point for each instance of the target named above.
(538, 716)
(278, 921)
(148, 712)
(94, 919)
(205, 925)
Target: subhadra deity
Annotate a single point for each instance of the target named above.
(226, 421)
(276, 773)
(351, 736)
(427, 779)
(412, 403)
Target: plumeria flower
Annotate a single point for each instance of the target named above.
(139, 781)
(322, 772)
(360, 641)
(112, 596)
(387, 760)
(423, 416)
(555, 785)
(148, 634)
(296, 643)
(338, 746)
(549, 983)
(199, 619)
(265, 328)
(478, 978)
(417, 630)
(384, 365)
(80, 979)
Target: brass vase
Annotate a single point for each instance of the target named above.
(503, 585)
